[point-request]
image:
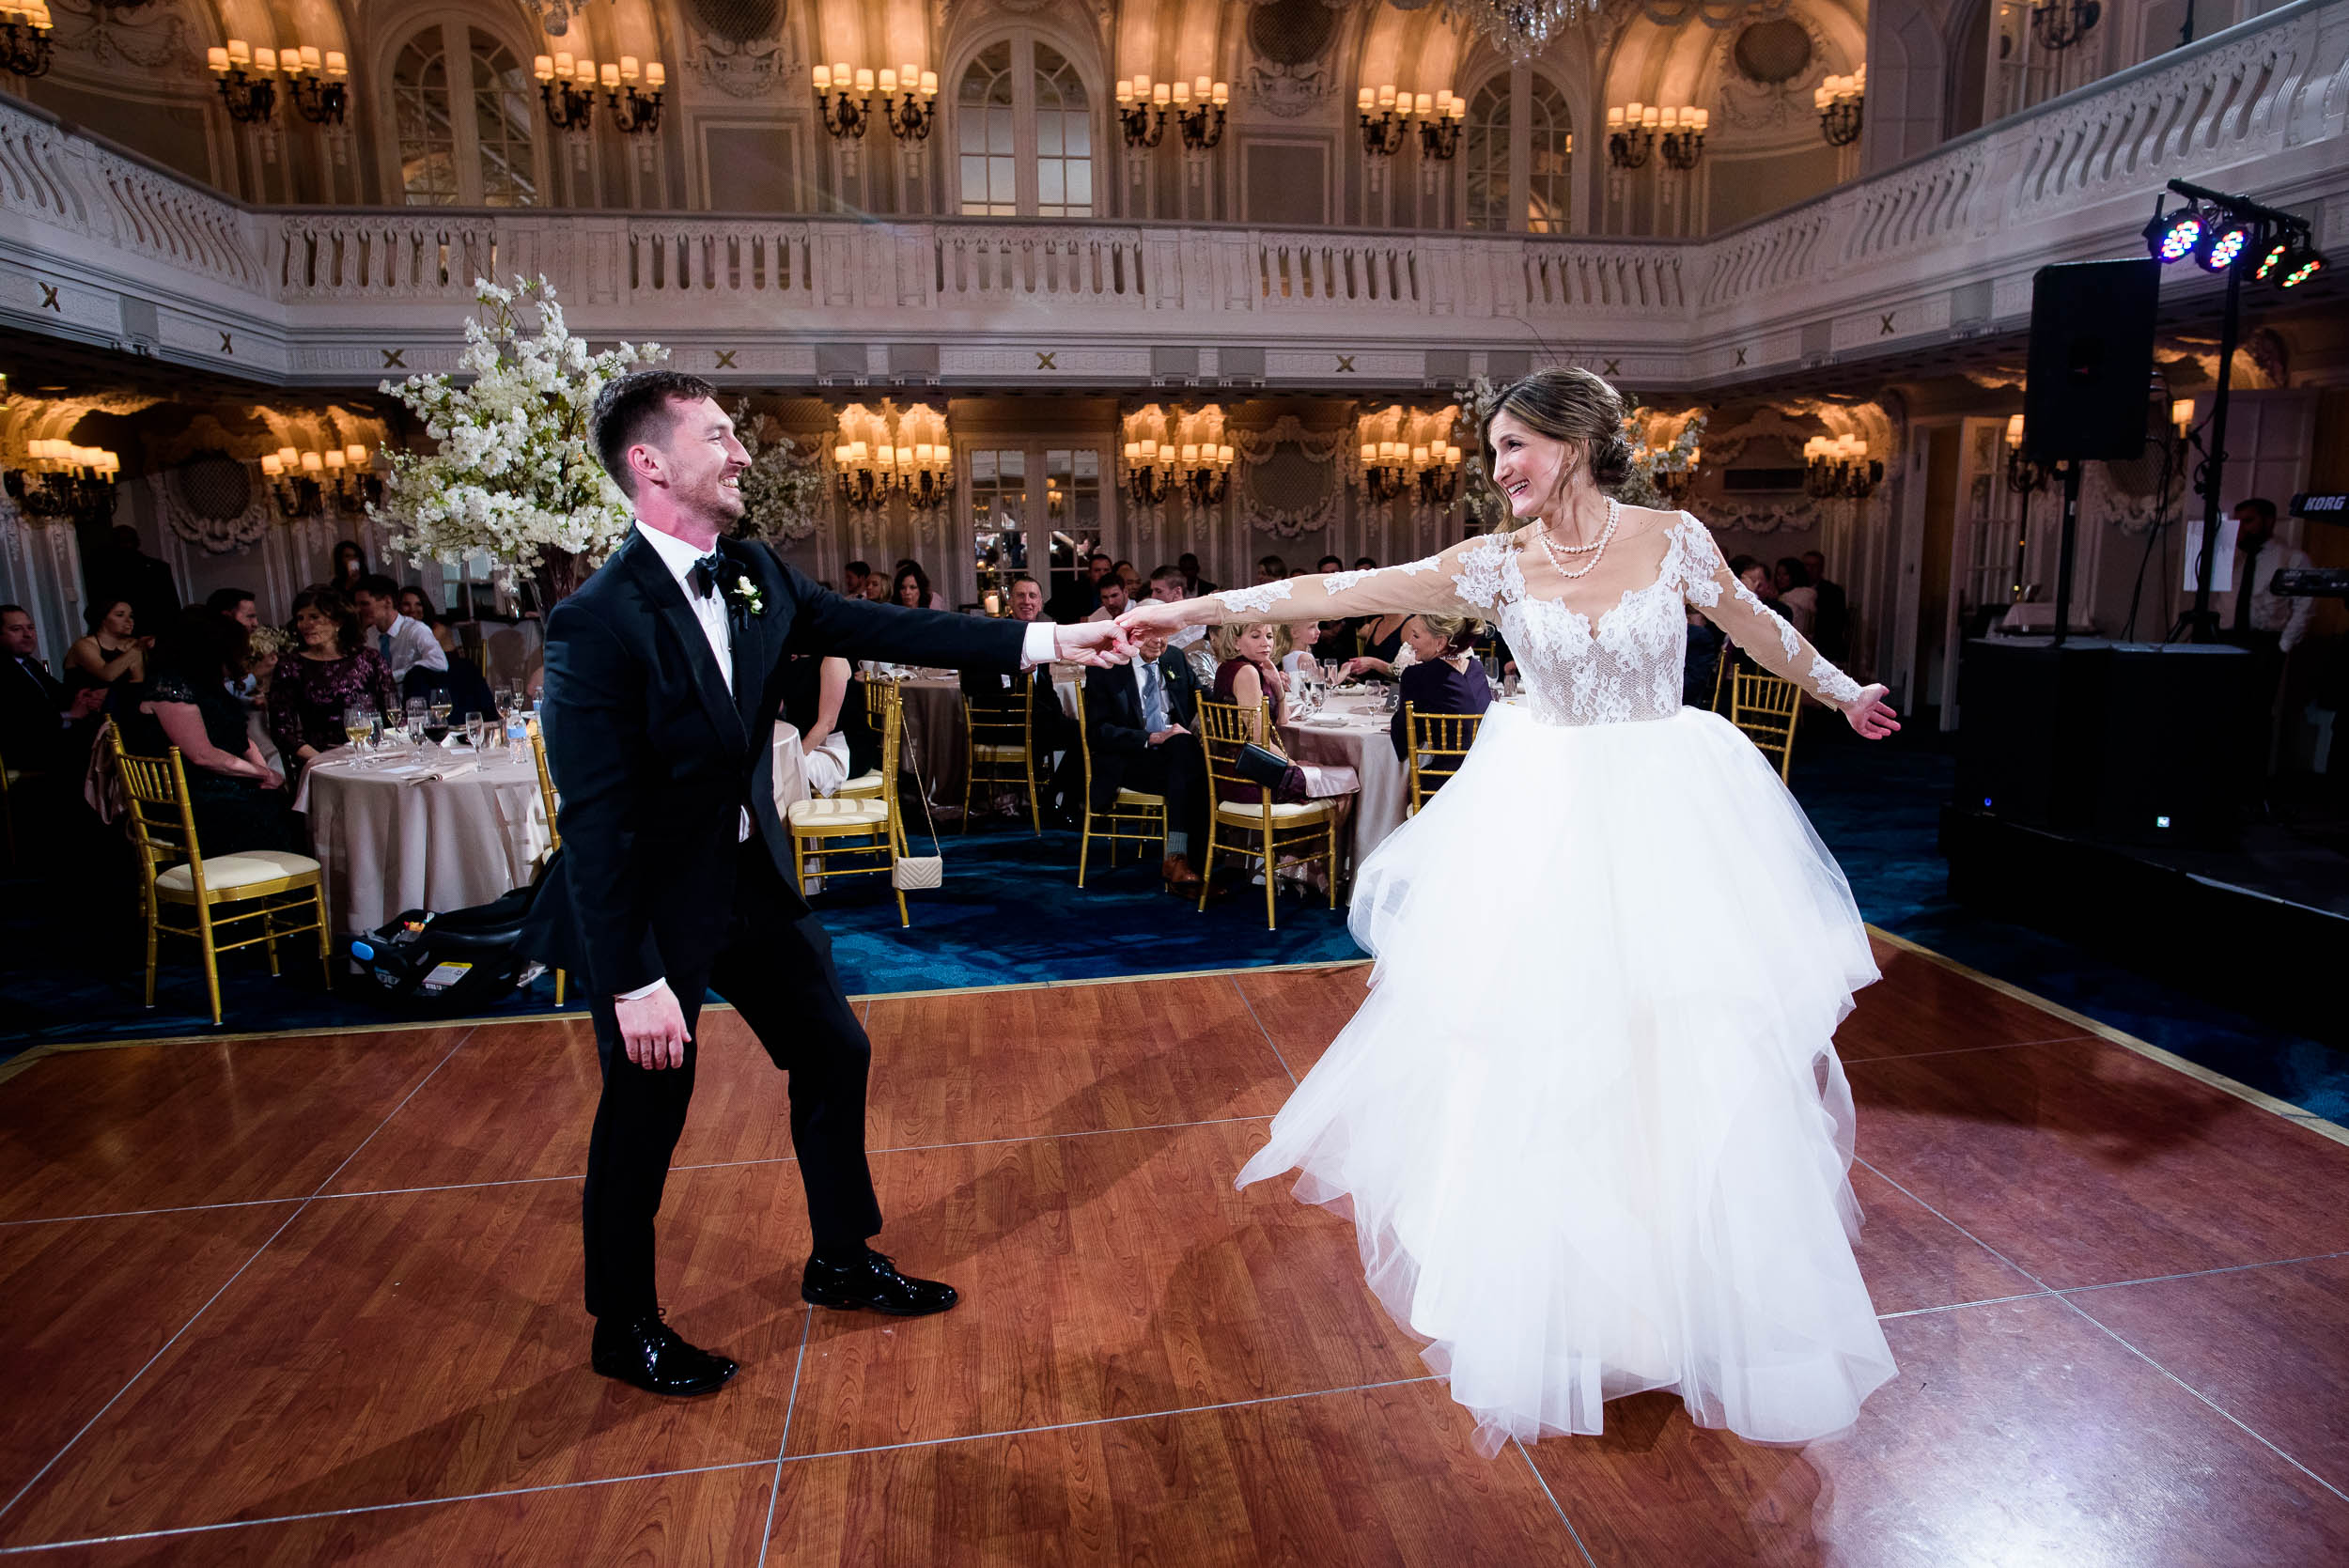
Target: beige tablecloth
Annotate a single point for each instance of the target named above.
(937, 743)
(390, 840)
(1358, 741)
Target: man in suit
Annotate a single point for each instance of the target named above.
(1830, 626)
(35, 715)
(1049, 727)
(1139, 724)
(122, 569)
(663, 677)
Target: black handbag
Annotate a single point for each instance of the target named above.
(1260, 765)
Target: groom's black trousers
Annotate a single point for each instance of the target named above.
(775, 966)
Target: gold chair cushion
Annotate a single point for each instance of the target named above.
(1136, 798)
(864, 783)
(223, 872)
(1285, 815)
(837, 814)
(1000, 754)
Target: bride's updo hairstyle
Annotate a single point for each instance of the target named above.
(1570, 404)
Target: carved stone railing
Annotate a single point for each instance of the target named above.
(103, 245)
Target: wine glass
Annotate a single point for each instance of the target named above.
(474, 727)
(503, 700)
(436, 719)
(360, 726)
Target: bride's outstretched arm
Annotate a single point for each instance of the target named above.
(1434, 584)
(1770, 638)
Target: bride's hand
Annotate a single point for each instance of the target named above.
(1870, 716)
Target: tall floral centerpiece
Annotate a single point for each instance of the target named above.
(783, 493)
(515, 475)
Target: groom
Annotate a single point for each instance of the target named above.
(663, 675)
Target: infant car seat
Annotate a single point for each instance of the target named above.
(467, 958)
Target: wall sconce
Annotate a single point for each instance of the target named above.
(631, 110)
(24, 39)
(63, 480)
(1143, 108)
(568, 87)
(1203, 119)
(1838, 467)
(909, 100)
(1406, 450)
(2022, 474)
(2060, 24)
(877, 458)
(1149, 470)
(1207, 469)
(1439, 114)
(307, 483)
(1684, 143)
(1841, 101)
(1632, 128)
(316, 81)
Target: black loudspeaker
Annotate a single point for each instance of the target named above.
(2092, 359)
(2031, 718)
(2184, 728)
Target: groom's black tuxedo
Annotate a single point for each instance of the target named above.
(655, 763)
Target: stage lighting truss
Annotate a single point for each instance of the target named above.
(2275, 245)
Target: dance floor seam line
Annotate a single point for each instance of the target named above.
(1108, 1421)
(1542, 1480)
(1269, 1040)
(1850, 1062)
(219, 1525)
(300, 1207)
(1953, 1225)
(2245, 1427)
(774, 1481)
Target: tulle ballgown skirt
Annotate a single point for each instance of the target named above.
(1588, 1123)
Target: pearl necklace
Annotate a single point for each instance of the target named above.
(1597, 550)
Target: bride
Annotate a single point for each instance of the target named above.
(1602, 1144)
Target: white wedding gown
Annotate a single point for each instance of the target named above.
(1589, 1123)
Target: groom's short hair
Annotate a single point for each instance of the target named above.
(635, 408)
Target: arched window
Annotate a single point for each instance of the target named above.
(463, 105)
(1517, 154)
(1023, 137)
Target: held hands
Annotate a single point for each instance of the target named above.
(1152, 615)
(1092, 643)
(1870, 716)
(86, 701)
(1162, 737)
(653, 1028)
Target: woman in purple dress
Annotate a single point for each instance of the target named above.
(1444, 676)
(332, 669)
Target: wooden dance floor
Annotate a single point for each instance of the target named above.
(316, 1300)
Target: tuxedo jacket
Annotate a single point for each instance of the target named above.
(1114, 728)
(656, 762)
(1046, 719)
(32, 734)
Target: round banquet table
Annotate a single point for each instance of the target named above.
(1351, 731)
(394, 836)
(937, 743)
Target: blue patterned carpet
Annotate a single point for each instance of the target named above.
(1010, 913)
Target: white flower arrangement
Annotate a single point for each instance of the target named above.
(515, 475)
(782, 494)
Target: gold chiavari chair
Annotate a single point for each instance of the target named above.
(841, 828)
(1439, 744)
(1002, 754)
(1263, 827)
(1721, 663)
(1766, 707)
(878, 694)
(554, 832)
(173, 871)
(1132, 816)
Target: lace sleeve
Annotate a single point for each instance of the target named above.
(1434, 584)
(1706, 582)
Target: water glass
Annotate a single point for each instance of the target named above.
(474, 727)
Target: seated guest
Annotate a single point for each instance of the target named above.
(1444, 676)
(1247, 675)
(1700, 664)
(1077, 595)
(39, 717)
(1300, 659)
(1138, 725)
(1049, 725)
(1194, 585)
(1379, 638)
(1364, 562)
(235, 604)
(1330, 564)
(1793, 580)
(852, 577)
(114, 653)
(1271, 569)
(348, 568)
(814, 691)
(1757, 579)
(1831, 631)
(914, 588)
(877, 587)
(329, 670)
(417, 608)
(405, 645)
(1114, 600)
(1130, 579)
(237, 798)
(1169, 585)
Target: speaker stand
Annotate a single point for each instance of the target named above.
(2063, 548)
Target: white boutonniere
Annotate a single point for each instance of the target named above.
(747, 597)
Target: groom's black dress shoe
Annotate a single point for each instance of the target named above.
(873, 1282)
(647, 1352)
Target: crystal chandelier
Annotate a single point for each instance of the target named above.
(1522, 28)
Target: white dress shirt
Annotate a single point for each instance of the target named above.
(2287, 617)
(408, 645)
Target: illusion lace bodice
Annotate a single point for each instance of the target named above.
(1605, 648)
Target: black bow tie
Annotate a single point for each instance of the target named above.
(704, 577)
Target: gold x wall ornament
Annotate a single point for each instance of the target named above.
(726, 358)
(393, 360)
(1044, 360)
